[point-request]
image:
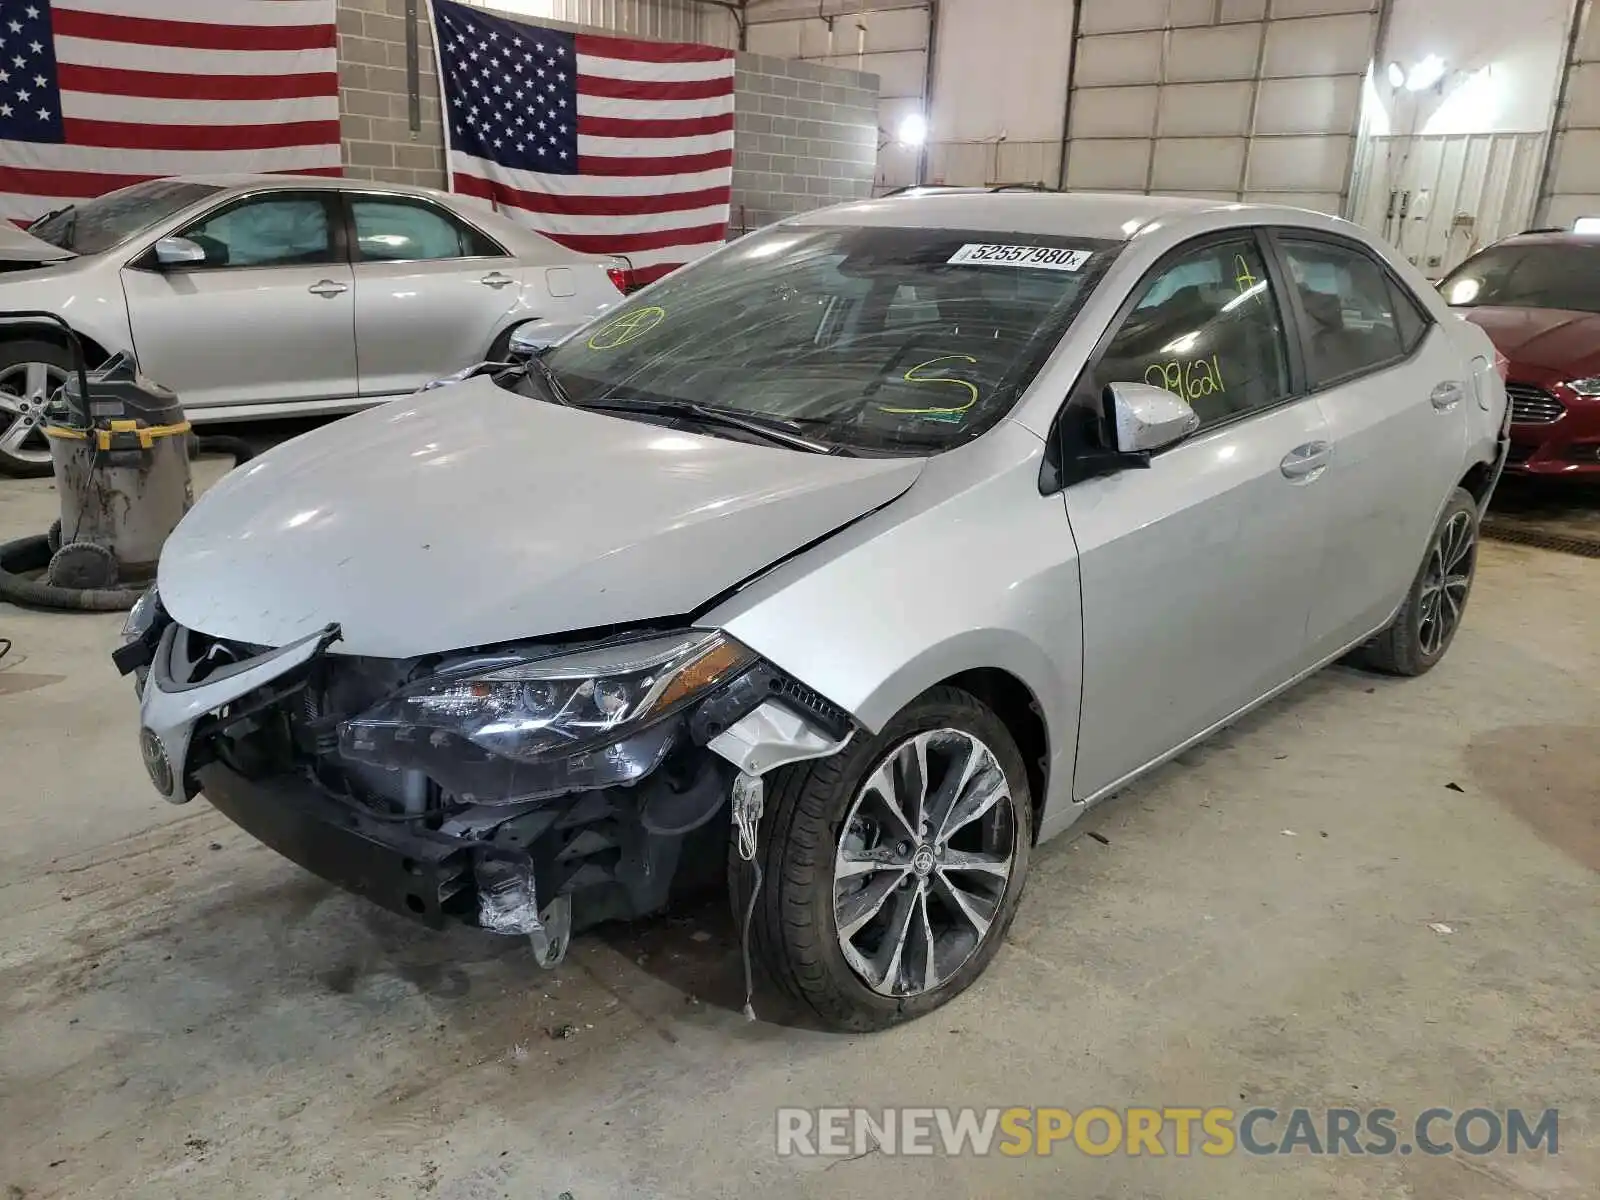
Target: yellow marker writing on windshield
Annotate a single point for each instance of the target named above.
(911, 376)
(626, 328)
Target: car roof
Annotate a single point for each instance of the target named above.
(1103, 217)
(241, 182)
(1550, 237)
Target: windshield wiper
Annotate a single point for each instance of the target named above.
(69, 215)
(554, 390)
(773, 429)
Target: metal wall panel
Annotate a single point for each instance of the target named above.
(1438, 199)
(1252, 98)
(1570, 184)
(666, 20)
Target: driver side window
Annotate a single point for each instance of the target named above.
(1207, 327)
(269, 231)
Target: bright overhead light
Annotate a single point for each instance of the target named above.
(1586, 225)
(1397, 75)
(914, 130)
(1425, 74)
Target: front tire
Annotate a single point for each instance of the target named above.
(1427, 622)
(892, 870)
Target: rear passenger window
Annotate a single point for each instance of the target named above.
(1351, 325)
(1409, 317)
(1206, 326)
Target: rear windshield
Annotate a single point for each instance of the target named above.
(1536, 275)
(110, 220)
(886, 340)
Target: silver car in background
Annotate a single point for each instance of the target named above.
(266, 296)
(859, 556)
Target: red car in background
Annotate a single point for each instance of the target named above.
(1537, 296)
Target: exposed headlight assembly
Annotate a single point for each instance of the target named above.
(141, 631)
(142, 617)
(522, 729)
(1587, 388)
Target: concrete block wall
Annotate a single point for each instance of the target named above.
(805, 136)
(373, 107)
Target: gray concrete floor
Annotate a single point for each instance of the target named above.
(184, 1014)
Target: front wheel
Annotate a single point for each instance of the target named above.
(1428, 620)
(30, 373)
(892, 870)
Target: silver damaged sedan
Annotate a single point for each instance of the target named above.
(846, 565)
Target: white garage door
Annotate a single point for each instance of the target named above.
(1234, 99)
(1572, 186)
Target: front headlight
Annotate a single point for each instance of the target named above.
(146, 611)
(559, 706)
(1587, 388)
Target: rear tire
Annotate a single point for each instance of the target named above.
(1427, 622)
(30, 369)
(817, 814)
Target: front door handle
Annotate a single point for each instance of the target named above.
(1305, 463)
(1447, 395)
(496, 280)
(328, 287)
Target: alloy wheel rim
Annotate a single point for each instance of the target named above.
(924, 858)
(1445, 583)
(25, 389)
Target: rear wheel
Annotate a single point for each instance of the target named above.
(1428, 620)
(30, 373)
(892, 870)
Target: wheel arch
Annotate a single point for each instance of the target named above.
(1013, 701)
(1477, 481)
(16, 331)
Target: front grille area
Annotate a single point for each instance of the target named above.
(1533, 406)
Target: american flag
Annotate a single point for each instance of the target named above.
(607, 145)
(97, 94)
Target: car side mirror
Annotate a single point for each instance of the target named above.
(1143, 418)
(179, 252)
(527, 341)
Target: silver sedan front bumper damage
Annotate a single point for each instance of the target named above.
(170, 707)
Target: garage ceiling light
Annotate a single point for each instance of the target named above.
(1425, 74)
(914, 130)
(1397, 75)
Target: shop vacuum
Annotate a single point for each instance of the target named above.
(120, 445)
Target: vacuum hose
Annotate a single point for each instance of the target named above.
(28, 556)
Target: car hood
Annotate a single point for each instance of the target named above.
(1552, 338)
(470, 515)
(20, 246)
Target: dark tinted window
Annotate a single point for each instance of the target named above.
(882, 339)
(1531, 275)
(1409, 317)
(1207, 327)
(268, 231)
(99, 224)
(1350, 321)
(399, 230)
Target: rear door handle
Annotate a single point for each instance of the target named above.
(496, 280)
(1305, 463)
(1447, 395)
(327, 287)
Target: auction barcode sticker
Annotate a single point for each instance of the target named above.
(1049, 258)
